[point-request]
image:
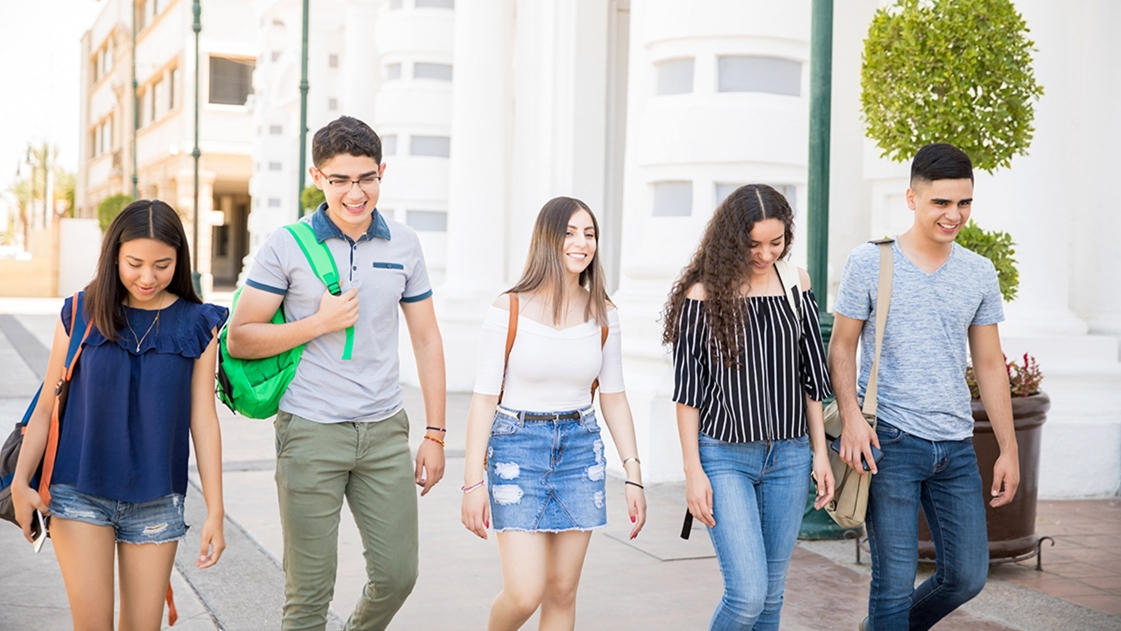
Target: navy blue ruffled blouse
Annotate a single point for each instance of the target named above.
(125, 432)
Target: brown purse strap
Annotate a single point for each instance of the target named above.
(603, 331)
(511, 333)
(53, 430)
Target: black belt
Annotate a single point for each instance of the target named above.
(569, 416)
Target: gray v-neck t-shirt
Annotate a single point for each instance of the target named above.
(922, 388)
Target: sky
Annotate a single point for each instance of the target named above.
(40, 57)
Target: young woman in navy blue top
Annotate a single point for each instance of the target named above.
(143, 384)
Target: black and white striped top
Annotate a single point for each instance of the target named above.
(759, 400)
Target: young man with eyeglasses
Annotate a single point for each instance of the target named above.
(341, 430)
(945, 307)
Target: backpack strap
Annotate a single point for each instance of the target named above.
(322, 263)
(511, 333)
(79, 331)
(792, 287)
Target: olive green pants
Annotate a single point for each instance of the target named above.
(317, 464)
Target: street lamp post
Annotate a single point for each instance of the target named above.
(816, 524)
(135, 105)
(196, 275)
(303, 115)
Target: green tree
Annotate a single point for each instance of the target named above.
(999, 248)
(110, 207)
(311, 198)
(956, 71)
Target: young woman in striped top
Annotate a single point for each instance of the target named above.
(749, 378)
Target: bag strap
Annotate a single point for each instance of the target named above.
(322, 263)
(787, 271)
(883, 304)
(603, 332)
(79, 331)
(511, 333)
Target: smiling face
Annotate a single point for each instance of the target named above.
(768, 241)
(941, 208)
(352, 185)
(146, 267)
(579, 242)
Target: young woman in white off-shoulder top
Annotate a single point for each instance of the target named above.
(535, 461)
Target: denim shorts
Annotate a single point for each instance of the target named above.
(546, 475)
(155, 521)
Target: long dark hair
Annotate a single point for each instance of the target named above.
(142, 219)
(722, 265)
(544, 266)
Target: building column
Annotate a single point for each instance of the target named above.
(361, 72)
(185, 191)
(478, 181)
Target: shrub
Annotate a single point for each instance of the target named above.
(110, 207)
(999, 248)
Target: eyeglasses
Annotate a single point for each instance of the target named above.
(366, 182)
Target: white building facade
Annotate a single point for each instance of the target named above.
(652, 110)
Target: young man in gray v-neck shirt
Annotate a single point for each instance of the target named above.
(341, 430)
(944, 298)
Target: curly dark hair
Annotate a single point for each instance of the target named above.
(722, 266)
(345, 134)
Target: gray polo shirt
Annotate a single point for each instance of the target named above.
(387, 266)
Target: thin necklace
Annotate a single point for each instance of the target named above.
(140, 340)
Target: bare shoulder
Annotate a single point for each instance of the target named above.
(502, 302)
(696, 292)
(803, 279)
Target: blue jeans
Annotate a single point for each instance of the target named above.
(944, 478)
(758, 496)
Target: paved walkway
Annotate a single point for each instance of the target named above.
(657, 581)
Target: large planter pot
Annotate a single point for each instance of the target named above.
(1012, 526)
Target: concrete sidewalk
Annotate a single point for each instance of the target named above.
(657, 581)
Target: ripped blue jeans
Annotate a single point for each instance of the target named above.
(546, 475)
(155, 521)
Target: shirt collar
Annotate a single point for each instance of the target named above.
(325, 228)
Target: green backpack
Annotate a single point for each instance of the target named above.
(253, 387)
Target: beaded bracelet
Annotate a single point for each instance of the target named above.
(468, 489)
(634, 484)
(437, 429)
(434, 439)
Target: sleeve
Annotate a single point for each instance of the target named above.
(209, 318)
(815, 372)
(991, 310)
(66, 308)
(270, 266)
(492, 352)
(854, 295)
(611, 370)
(691, 356)
(417, 285)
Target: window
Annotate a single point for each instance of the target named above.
(101, 137)
(145, 114)
(275, 56)
(141, 9)
(275, 166)
(389, 145)
(231, 81)
(675, 76)
(276, 130)
(427, 220)
(332, 61)
(442, 72)
(673, 199)
(436, 4)
(759, 74)
(172, 82)
(333, 104)
(394, 5)
(159, 97)
(274, 202)
(392, 72)
(439, 146)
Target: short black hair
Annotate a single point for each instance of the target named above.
(940, 161)
(345, 134)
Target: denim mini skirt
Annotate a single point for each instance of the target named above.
(546, 475)
(156, 521)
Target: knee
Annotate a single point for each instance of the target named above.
(745, 605)
(396, 587)
(523, 600)
(560, 596)
(968, 582)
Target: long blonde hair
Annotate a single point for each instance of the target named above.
(544, 266)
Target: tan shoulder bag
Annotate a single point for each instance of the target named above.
(850, 491)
